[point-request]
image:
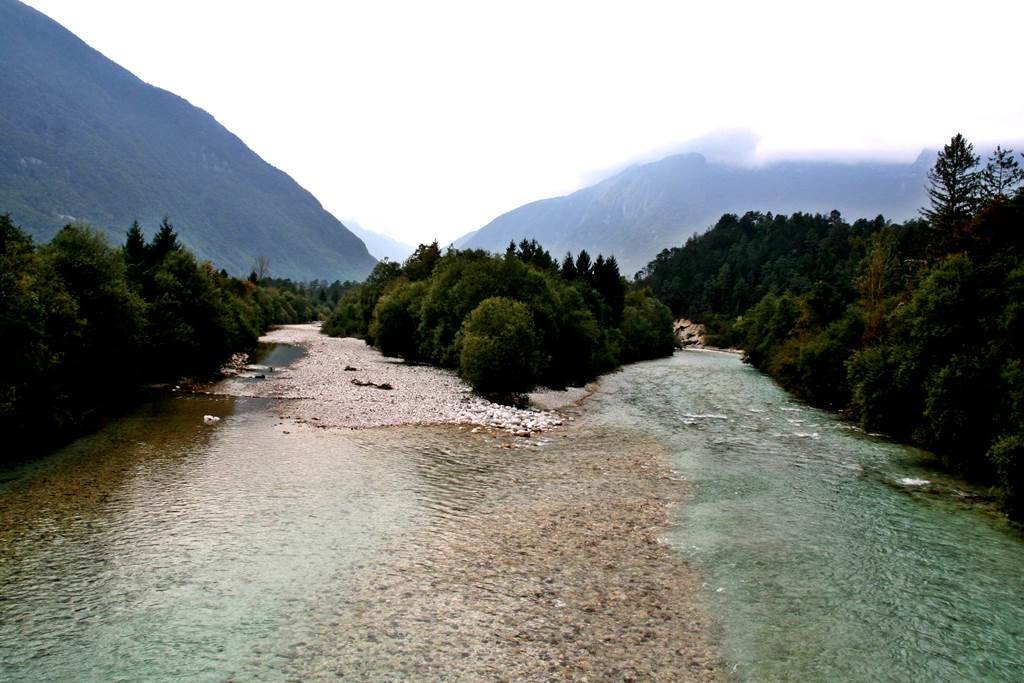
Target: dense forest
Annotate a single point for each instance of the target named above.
(83, 323)
(506, 323)
(913, 329)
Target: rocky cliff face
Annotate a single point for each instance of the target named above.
(689, 333)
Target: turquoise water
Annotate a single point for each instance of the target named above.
(821, 563)
(162, 548)
(166, 548)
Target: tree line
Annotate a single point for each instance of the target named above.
(913, 329)
(506, 322)
(84, 324)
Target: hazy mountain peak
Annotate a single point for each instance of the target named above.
(647, 207)
(379, 245)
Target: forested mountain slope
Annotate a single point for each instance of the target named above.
(647, 208)
(82, 139)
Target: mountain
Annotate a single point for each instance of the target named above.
(644, 209)
(381, 246)
(82, 139)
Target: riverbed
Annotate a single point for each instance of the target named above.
(692, 522)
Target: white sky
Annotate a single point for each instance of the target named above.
(426, 120)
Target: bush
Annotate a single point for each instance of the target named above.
(646, 328)
(498, 347)
(396, 319)
(354, 312)
(583, 323)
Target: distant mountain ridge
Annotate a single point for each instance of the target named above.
(381, 246)
(646, 208)
(83, 139)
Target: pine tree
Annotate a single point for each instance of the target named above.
(164, 242)
(583, 265)
(135, 252)
(568, 267)
(954, 191)
(1002, 175)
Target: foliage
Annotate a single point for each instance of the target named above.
(737, 262)
(1002, 175)
(354, 311)
(918, 331)
(498, 347)
(954, 190)
(646, 327)
(82, 323)
(582, 321)
(395, 326)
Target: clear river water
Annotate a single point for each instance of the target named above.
(162, 548)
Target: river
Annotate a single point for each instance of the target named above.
(163, 548)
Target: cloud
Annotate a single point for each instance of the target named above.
(733, 146)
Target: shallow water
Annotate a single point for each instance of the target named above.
(825, 555)
(164, 548)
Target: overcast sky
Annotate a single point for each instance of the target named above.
(426, 120)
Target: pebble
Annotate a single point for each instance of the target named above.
(320, 388)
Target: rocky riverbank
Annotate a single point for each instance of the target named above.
(345, 383)
(689, 333)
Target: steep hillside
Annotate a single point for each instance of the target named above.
(83, 139)
(644, 209)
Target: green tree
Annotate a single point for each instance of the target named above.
(23, 341)
(396, 318)
(136, 253)
(193, 324)
(164, 242)
(568, 269)
(499, 348)
(354, 311)
(954, 188)
(532, 253)
(94, 323)
(646, 327)
(1002, 175)
(878, 279)
(460, 283)
(583, 264)
(605, 278)
(421, 264)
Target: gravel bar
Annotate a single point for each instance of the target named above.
(338, 383)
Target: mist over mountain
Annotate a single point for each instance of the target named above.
(381, 246)
(82, 139)
(646, 208)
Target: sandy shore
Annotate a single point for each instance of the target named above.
(322, 392)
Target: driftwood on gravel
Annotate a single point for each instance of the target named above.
(318, 386)
(382, 385)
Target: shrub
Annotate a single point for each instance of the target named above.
(396, 319)
(646, 327)
(498, 347)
